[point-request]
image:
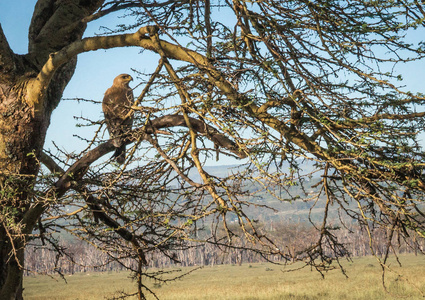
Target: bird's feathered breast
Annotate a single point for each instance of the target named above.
(116, 107)
(117, 101)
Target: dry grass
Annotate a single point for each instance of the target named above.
(256, 281)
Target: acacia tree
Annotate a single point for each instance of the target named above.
(271, 82)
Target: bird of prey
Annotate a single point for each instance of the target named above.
(116, 106)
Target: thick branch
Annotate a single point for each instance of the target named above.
(199, 126)
(95, 206)
(37, 87)
(7, 61)
(172, 51)
(54, 25)
(80, 167)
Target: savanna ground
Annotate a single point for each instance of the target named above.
(255, 281)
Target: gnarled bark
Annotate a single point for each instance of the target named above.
(23, 125)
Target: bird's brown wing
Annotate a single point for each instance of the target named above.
(116, 106)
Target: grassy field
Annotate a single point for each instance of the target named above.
(256, 281)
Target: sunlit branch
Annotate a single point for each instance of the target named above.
(81, 166)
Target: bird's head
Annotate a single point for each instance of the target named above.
(123, 80)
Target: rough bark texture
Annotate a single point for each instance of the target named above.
(23, 123)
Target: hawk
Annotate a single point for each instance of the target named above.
(116, 105)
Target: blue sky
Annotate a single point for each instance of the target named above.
(96, 70)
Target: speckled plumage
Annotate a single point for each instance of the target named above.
(116, 106)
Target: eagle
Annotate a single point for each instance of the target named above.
(116, 105)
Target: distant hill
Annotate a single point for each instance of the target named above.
(297, 204)
(222, 171)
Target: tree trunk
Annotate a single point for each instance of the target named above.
(22, 135)
(24, 119)
(21, 140)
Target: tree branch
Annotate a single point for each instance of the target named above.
(80, 167)
(113, 8)
(199, 126)
(37, 87)
(53, 26)
(142, 38)
(7, 60)
(94, 205)
(117, 6)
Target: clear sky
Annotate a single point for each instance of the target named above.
(96, 70)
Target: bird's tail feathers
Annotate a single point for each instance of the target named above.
(120, 154)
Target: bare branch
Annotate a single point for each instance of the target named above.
(95, 206)
(80, 167)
